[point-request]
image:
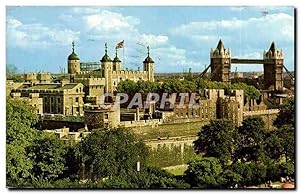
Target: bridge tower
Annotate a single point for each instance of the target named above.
(220, 60)
(273, 68)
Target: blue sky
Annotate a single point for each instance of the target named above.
(39, 38)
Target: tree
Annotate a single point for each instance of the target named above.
(48, 154)
(230, 178)
(106, 153)
(19, 137)
(127, 86)
(72, 165)
(286, 114)
(274, 145)
(287, 134)
(11, 70)
(147, 86)
(287, 169)
(11, 73)
(217, 139)
(251, 143)
(249, 91)
(148, 177)
(204, 173)
(272, 171)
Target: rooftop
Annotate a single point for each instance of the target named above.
(56, 86)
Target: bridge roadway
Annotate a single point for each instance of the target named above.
(250, 61)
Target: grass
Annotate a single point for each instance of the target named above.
(176, 170)
(169, 130)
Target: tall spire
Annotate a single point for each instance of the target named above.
(220, 45)
(105, 48)
(116, 52)
(272, 47)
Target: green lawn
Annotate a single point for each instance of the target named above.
(176, 170)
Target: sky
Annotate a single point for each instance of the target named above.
(39, 38)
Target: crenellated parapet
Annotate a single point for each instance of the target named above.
(220, 51)
(90, 81)
(273, 53)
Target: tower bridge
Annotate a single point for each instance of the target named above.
(220, 65)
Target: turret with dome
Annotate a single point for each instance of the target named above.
(105, 58)
(73, 62)
(116, 62)
(149, 65)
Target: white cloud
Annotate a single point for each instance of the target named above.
(111, 26)
(37, 35)
(153, 40)
(173, 59)
(110, 21)
(279, 27)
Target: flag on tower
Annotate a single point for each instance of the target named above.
(120, 44)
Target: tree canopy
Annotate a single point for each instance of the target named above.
(217, 139)
(183, 86)
(19, 137)
(106, 153)
(204, 172)
(48, 154)
(286, 114)
(30, 154)
(251, 140)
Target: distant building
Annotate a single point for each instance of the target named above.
(238, 75)
(57, 98)
(106, 77)
(215, 105)
(85, 84)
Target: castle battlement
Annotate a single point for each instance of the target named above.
(277, 54)
(214, 93)
(91, 81)
(236, 93)
(222, 53)
(261, 112)
(129, 72)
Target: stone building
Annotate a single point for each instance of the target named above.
(231, 106)
(57, 98)
(214, 104)
(38, 78)
(106, 77)
(11, 85)
(220, 60)
(68, 96)
(273, 68)
(33, 99)
(105, 115)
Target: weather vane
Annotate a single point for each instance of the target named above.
(148, 48)
(73, 44)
